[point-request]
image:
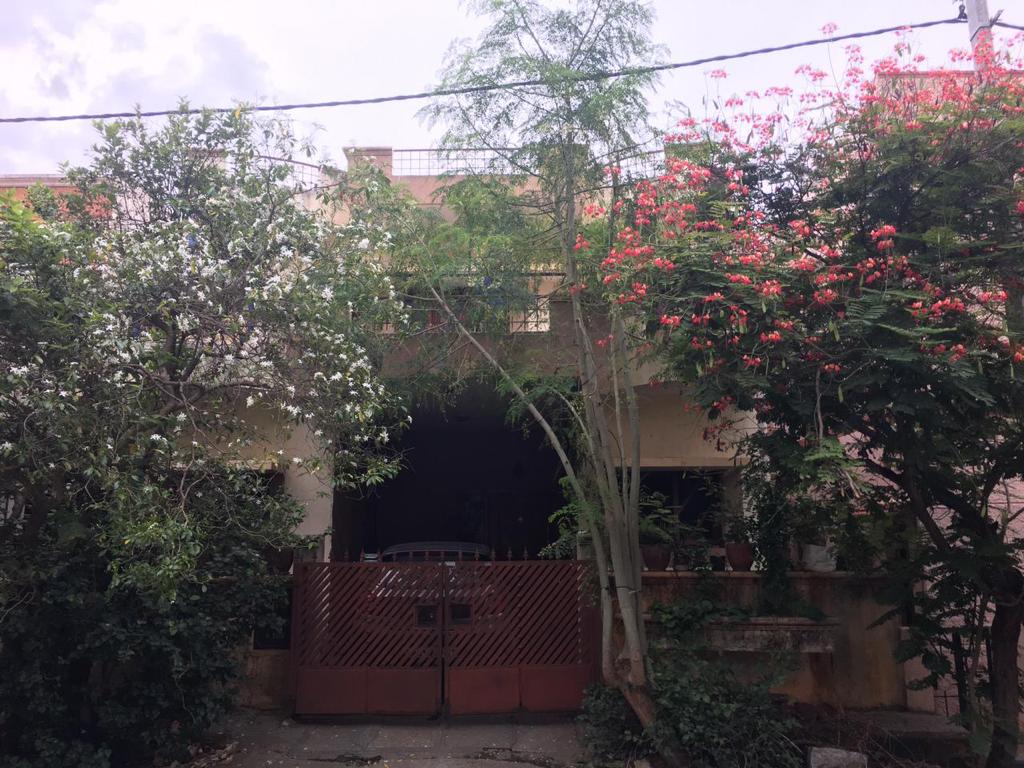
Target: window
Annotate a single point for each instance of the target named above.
(535, 319)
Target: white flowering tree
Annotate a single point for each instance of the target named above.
(152, 328)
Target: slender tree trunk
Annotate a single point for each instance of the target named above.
(1004, 672)
(619, 494)
(608, 671)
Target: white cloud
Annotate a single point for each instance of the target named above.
(63, 56)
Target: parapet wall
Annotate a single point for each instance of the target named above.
(842, 661)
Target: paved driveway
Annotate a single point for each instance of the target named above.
(262, 740)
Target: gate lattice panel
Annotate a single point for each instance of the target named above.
(518, 636)
(401, 638)
(368, 638)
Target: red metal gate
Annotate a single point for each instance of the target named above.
(366, 638)
(405, 638)
(518, 636)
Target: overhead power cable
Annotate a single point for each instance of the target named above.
(465, 90)
(1018, 27)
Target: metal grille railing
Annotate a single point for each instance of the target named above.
(438, 162)
(379, 637)
(536, 319)
(457, 162)
(301, 175)
(516, 614)
(365, 615)
(645, 165)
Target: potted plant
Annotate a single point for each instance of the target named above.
(658, 527)
(692, 548)
(739, 550)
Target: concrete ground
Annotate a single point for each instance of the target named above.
(262, 740)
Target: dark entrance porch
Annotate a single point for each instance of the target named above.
(469, 477)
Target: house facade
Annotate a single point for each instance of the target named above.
(476, 487)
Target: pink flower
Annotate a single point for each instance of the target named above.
(803, 264)
(886, 230)
(800, 228)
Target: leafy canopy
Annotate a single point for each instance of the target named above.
(161, 332)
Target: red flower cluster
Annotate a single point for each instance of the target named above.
(751, 362)
(947, 305)
(803, 264)
(886, 230)
(800, 228)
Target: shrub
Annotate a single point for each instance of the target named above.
(98, 670)
(611, 729)
(705, 709)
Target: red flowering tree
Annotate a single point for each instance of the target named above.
(859, 291)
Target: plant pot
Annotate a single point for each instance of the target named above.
(656, 556)
(817, 558)
(740, 555)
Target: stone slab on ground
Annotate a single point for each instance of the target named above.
(921, 736)
(267, 741)
(829, 757)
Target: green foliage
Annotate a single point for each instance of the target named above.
(658, 524)
(859, 291)
(705, 707)
(611, 730)
(159, 330)
(107, 662)
(590, 119)
(571, 521)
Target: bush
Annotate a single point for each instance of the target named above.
(705, 709)
(611, 729)
(159, 328)
(99, 668)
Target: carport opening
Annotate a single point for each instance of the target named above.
(469, 476)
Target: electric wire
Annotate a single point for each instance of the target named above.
(467, 90)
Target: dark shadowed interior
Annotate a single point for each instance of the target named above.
(469, 476)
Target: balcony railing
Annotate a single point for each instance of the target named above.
(459, 162)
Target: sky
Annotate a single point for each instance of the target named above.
(72, 56)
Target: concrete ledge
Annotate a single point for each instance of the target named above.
(773, 633)
(794, 576)
(849, 660)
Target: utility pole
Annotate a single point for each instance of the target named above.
(978, 22)
(979, 27)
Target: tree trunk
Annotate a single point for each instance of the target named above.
(1004, 673)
